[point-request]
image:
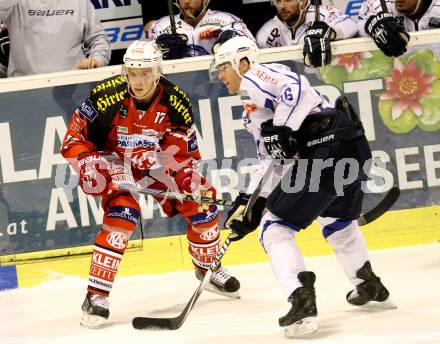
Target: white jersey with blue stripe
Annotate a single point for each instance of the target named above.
(273, 91)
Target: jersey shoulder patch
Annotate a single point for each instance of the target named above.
(179, 104)
(108, 94)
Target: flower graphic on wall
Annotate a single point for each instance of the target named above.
(409, 100)
(411, 95)
(352, 61)
(405, 87)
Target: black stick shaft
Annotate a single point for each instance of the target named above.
(171, 14)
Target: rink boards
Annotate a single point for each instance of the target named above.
(43, 233)
(158, 255)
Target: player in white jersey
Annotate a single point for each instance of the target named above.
(295, 23)
(289, 120)
(198, 29)
(389, 30)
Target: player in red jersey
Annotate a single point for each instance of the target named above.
(138, 127)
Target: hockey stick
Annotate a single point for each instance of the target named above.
(174, 323)
(383, 206)
(317, 3)
(169, 194)
(171, 14)
(141, 323)
(383, 4)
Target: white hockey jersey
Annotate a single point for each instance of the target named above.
(276, 33)
(273, 91)
(429, 20)
(202, 37)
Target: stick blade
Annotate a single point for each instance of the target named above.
(145, 323)
(386, 203)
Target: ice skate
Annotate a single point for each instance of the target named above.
(221, 283)
(95, 310)
(301, 318)
(371, 293)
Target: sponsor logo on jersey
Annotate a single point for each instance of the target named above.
(192, 144)
(204, 217)
(209, 33)
(212, 21)
(265, 77)
(211, 234)
(121, 129)
(117, 239)
(112, 83)
(50, 13)
(110, 99)
(136, 140)
(88, 110)
(150, 132)
(181, 108)
(124, 213)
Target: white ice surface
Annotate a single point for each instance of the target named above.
(50, 313)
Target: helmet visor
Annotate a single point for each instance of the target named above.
(217, 69)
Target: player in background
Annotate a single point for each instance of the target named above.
(198, 29)
(295, 24)
(389, 29)
(290, 121)
(139, 127)
(53, 36)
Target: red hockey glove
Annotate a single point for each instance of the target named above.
(94, 174)
(191, 182)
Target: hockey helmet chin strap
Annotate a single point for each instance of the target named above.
(303, 6)
(202, 11)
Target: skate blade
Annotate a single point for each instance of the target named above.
(91, 321)
(213, 289)
(301, 328)
(387, 304)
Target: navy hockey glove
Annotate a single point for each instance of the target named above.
(278, 140)
(239, 225)
(387, 35)
(317, 50)
(173, 46)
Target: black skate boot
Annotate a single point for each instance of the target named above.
(371, 292)
(95, 310)
(301, 319)
(221, 283)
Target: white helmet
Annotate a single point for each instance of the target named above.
(143, 54)
(235, 49)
